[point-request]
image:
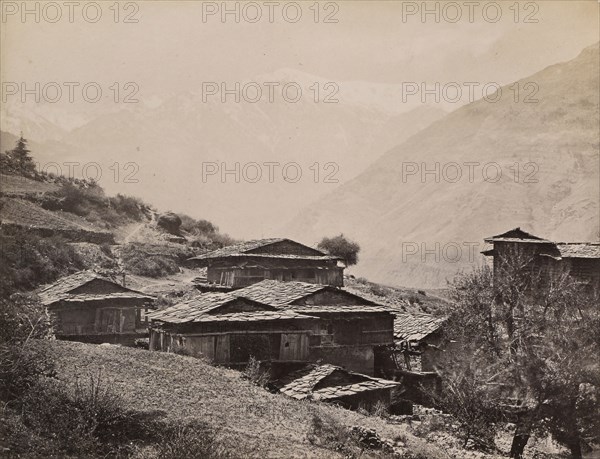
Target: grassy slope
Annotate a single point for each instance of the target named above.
(249, 419)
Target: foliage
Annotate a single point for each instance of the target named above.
(154, 260)
(27, 261)
(22, 317)
(342, 247)
(255, 373)
(526, 343)
(18, 160)
(204, 234)
(87, 199)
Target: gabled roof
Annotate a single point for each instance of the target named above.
(517, 235)
(563, 249)
(277, 293)
(62, 289)
(204, 308)
(245, 249)
(311, 382)
(283, 294)
(415, 327)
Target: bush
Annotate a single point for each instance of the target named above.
(154, 260)
(20, 370)
(255, 374)
(27, 261)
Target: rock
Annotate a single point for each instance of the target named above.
(170, 222)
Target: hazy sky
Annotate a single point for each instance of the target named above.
(171, 48)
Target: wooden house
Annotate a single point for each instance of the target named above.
(246, 263)
(228, 329)
(419, 337)
(332, 384)
(277, 321)
(581, 260)
(90, 307)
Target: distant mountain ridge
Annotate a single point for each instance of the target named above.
(552, 143)
(170, 141)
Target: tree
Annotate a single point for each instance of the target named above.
(532, 342)
(19, 160)
(341, 247)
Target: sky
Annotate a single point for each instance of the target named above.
(173, 48)
(169, 48)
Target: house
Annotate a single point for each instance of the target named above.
(91, 307)
(420, 336)
(332, 384)
(292, 321)
(246, 263)
(581, 260)
(228, 329)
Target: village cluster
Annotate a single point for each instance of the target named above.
(283, 303)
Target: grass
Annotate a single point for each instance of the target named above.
(246, 419)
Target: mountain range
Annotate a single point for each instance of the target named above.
(169, 140)
(533, 150)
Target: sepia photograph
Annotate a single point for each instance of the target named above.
(353, 229)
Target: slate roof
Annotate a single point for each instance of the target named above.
(517, 235)
(565, 249)
(337, 308)
(60, 290)
(202, 309)
(302, 384)
(579, 249)
(415, 327)
(277, 293)
(241, 250)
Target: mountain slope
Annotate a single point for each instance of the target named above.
(556, 196)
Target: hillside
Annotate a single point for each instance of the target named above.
(556, 197)
(248, 420)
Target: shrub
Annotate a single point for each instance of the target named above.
(154, 260)
(255, 374)
(20, 370)
(27, 261)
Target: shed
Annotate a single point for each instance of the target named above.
(333, 384)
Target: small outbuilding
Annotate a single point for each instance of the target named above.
(333, 384)
(95, 308)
